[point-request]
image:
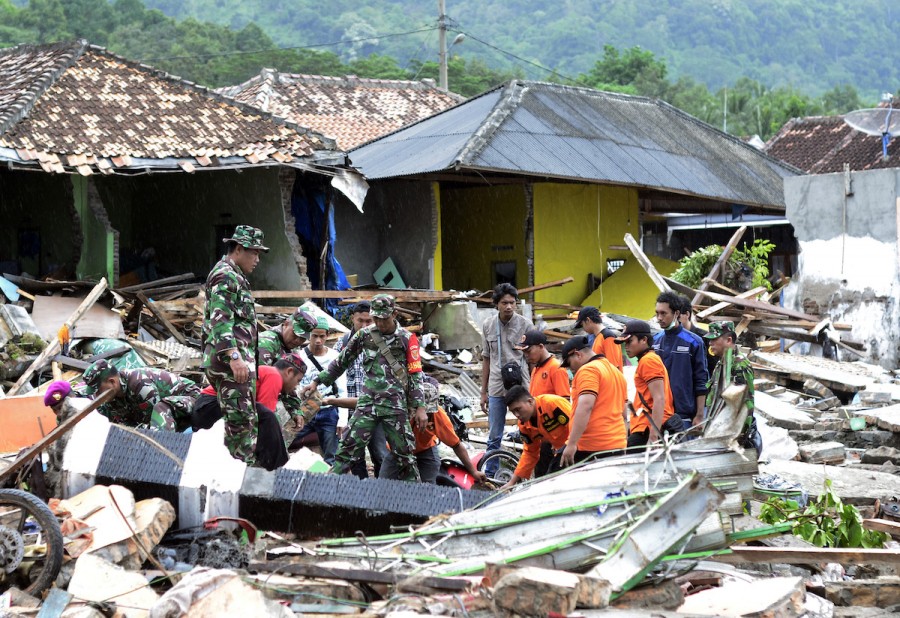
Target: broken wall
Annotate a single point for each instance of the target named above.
(848, 262)
(482, 227)
(181, 216)
(397, 223)
(100, 242)
(575, 228)
(38, 231)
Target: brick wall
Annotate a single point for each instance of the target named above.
(286, 178)
(95, 203)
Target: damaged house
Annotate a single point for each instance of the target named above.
(352, 111)
(111, 168)
(533, 182)
(846, 214)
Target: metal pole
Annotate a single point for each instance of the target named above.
(442, 44)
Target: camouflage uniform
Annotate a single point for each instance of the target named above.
(229, 323)
(150, 397)
(383, 399)
(270, 347)
(741, 373)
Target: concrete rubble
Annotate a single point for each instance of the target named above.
(183, 529)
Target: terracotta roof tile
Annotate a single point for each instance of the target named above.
(77, 105)
(823, 144)
(352, 110)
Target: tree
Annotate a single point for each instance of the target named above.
(636, 67)
(47, 18)
(841, 99)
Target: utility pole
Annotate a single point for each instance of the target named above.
(442, 44)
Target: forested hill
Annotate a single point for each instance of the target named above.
(812, 45)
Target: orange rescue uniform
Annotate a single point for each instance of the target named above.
(550, 378)
(650, 367)
(610, 349)
(605, 428)
(550, 422)
(438, 429)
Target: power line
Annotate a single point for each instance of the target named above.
(263, 51)
(519, 58)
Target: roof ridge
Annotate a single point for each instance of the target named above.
(27, 99)
(213, 94)
(513, 92)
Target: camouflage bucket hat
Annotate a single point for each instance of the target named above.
(304, 322)
(382, 306)
(322, 324)
(717, 329)
(248, 237)
(96, 373)
(295, 360)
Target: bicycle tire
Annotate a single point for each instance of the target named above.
(41, 515)
(506, 461)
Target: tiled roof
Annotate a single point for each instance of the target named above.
(74, 106)
(553, 131)
(823, 144)
(350, 109)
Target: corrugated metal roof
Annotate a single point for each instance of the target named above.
(550, 130)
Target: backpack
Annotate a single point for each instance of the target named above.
(511, 374)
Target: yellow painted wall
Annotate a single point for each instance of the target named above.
(574, 226)
(482, 225)
(437, 282)
(630, 291)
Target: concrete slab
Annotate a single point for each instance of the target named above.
(852, 485)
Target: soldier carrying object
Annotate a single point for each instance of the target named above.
(143, 397)
(391, 393)
(229, 339)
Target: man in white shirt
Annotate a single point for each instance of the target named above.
(329, 421)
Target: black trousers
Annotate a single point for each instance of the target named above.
(640, 438)
(270, 450)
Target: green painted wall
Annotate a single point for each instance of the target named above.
(41, 203)
(98, 244)
(574, 227)
(480, 226)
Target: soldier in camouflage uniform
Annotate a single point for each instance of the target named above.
(732, 368)
(143, 397)
(391, 395)
(278, 342)
(229, 339)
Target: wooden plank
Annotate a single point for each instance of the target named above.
(423, 295)
(53, 347)
(26, 457)
(157, 283)
(544, 286)
(162, 318)
(883, 525)
(803, 555)
(353, 575)
(647, 265)
(717, 267)
(761, 306)
(719, 306)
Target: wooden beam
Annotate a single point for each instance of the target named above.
(419, 295)
(162, 318)
(804, 555)
(719, 306)
(760, 306)
(53, 347)
(717, 267)
(58, 432)
(544, 286)
(647, 265)
(883, 525)
(157, 283)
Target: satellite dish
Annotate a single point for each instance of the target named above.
(879, 121)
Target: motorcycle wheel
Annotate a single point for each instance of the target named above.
(31, 543)
(506, 463)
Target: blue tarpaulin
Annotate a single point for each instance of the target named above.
(308, 205)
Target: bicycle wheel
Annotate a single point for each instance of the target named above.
(31, 543)
(498, 465)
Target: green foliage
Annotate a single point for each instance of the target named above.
(752, 259)
(827, 522)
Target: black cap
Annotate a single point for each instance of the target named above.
(579, 342)
(634, 327)
(587, 312)
(531, 337)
